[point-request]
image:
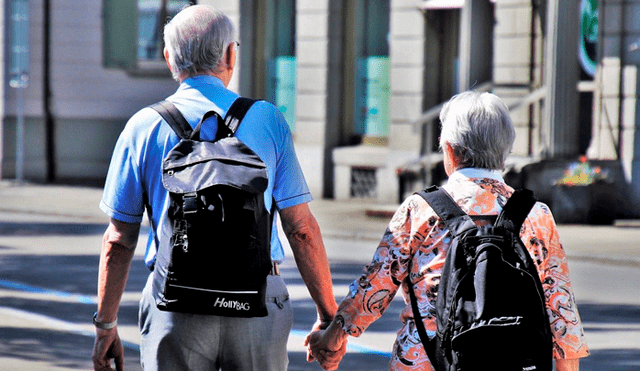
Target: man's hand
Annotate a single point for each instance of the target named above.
(108, 346)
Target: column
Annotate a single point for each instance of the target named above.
(560, 132)
(312, 45)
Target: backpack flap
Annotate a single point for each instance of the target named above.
(192, 166)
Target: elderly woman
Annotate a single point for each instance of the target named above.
(477, 136)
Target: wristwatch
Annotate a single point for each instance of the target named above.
(103, 325)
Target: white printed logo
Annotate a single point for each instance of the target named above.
(231, 304)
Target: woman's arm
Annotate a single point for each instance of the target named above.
(567, 364)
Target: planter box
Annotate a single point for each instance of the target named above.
(589, 204)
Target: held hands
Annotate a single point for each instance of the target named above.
(327, 353)
(327, 344)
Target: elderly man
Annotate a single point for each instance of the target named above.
(201, 54)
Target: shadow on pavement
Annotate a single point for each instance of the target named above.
(56, 348)
(608, 314)
(592, 316)
(351, 361)
(612, 359)
(78, 275)
(49, 229)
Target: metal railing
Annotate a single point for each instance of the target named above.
(432, 113)
(421, 167)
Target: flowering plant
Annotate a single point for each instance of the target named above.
(582, 173)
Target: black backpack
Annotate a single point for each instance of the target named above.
(219, 255)
(490, 307)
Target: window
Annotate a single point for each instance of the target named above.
(267, 55)
(151, 16)
(363, 182)
(132, 38)
(372, 70)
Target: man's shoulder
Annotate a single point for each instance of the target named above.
(144, 116)
(265, 116)
(264, 110)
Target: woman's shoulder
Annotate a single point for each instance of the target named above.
(415, 208)
(540, 212)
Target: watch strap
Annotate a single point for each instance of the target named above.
(103, 325)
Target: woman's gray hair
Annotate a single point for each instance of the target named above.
(478, 128)
(196, 39)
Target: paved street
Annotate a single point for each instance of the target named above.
(50, 240)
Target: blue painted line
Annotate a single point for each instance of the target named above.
(126, 344)
(84, 299)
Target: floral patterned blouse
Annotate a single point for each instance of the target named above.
(416, 237)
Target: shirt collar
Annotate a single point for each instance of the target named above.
(200, 80)
(476, 173)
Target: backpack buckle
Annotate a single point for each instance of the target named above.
(189, 203)
(180, 234)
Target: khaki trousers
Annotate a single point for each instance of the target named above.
(179, 341)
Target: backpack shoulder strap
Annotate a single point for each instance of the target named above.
(516, 209)
(449, 212)
(428, 345)
(174, 118)
(234, 116)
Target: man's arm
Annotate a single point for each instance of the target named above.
(304, 236)
(118, 246)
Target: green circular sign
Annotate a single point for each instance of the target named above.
(588, 35)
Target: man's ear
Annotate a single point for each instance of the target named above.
(165, 52)
(230, 55)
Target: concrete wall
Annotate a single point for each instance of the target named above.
(407, 56)
(2, 80)
(406, 53)
(312, 40)
(616, 120)
(232, 10)
(90, 104)
(514, 30)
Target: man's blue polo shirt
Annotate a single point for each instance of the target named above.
(134, 179)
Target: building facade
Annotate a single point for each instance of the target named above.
(359, 81)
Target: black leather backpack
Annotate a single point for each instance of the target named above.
(219, 254)
(490, 306)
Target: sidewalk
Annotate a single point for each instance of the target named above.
(351, 219)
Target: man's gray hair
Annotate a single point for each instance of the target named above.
(196, 39)
(479, 129)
